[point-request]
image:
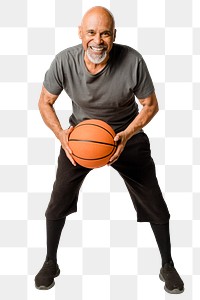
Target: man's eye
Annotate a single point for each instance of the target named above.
(90, 32)
(105, 34)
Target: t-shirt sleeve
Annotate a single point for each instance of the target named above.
(144, 86)
(53, 80)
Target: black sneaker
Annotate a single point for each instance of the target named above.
(44, 280)
(173, 282)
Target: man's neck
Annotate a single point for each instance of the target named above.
(94, 68)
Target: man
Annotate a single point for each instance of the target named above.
(102, 79)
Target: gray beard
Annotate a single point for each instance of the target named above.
(96, 59)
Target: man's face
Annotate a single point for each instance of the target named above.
(97, 34)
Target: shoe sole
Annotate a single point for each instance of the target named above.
(174, 291)
(43, 287)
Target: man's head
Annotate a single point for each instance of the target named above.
(97, 32)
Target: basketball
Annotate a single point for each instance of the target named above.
(92, 143)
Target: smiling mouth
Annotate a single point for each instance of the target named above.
(97, 49)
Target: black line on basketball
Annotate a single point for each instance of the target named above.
(91, 141)
(96, 126)
(98, 158)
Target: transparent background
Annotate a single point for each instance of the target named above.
(104, 253)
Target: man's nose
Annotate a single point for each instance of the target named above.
(98, 39)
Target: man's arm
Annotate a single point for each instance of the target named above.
(148, 111)
(47, 111)
(50, 118)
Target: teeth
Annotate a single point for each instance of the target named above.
(97, 49)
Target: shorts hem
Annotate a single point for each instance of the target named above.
(60, 217)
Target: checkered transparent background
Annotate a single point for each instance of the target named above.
(104, 253)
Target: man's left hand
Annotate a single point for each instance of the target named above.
(121, 139)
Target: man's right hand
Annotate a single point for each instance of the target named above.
(63, 136)
(50, 118)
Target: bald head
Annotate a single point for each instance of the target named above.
(99, 11)
(97, 32)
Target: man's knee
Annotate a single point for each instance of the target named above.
(61, 205)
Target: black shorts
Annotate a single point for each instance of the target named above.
(136, 167)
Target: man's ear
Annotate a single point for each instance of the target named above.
(80, 32)
(114, 36)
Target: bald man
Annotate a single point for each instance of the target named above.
(102, 79)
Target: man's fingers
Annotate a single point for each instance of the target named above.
(70, 158)
(68, 152)
(71, 128)
(116, 155)
(64, 136)
(117, 138)
(68, 149)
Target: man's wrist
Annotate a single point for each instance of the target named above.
(58, 133)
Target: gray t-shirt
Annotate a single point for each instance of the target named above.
(108, 95)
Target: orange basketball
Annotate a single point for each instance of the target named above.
(92, 143)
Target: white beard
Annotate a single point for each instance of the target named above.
(96, 58)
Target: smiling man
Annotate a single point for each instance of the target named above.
(102, 79)
(97, 34)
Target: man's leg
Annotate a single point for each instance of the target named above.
(162, 235)
(63, 202)
(44, 280)
(54, 229)
(136, 167)
(168, 274)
